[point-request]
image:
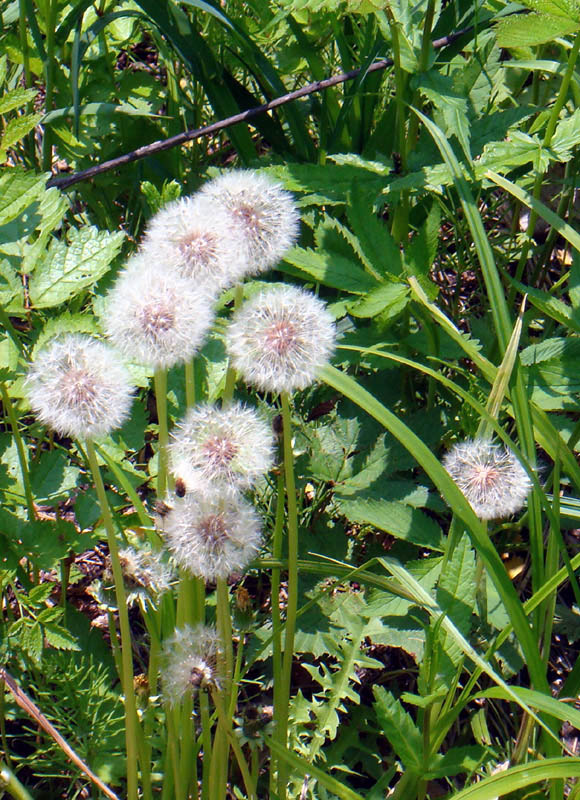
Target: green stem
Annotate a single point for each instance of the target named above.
(131, 721)
(189, 383)
(160, 380)
(224, 623)
(400, 226)
(550, 128)
(206, 743)
(276, 622)
(9, 410)
(292, 603)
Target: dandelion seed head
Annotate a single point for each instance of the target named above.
(195, 236)
(232, 445)
(262, 211)
(156, 318)
(190, 659)
(212, 532)
(78, 386)
(490, 476)
(145, 574)
(281, 338)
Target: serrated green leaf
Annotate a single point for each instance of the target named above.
(38, 594)
(16, 98)
(10, 285)
(329, 269)
(399, 520)
(456, 595)
(65, 323)
(400, 730)
(16, 129)
(30, 640)
(67, 269)
(375, 239)
(388, 300)
(566, 136)
(18, 189)
(59, 637)
(449, 104)
(551, 349)
(531, 29)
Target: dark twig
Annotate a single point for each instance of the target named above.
(63, 181)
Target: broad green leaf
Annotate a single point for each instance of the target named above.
(387, 300)
(52, 477)
(399, 728)
(10, 285)
(456, 594)
(456, 761)
(375, 239)
(549, 350)
(67, 269)
(527, 30)
(401, 521)
(448, 104)
(18, 189)
(566, 136)
(328, 269)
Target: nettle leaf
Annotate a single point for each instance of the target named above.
(401, 521)
(65, 323)
(59, 637)
(566, 136)
(330, 447)
(16, 129)
(10, 284)
(526, 30)
(399, 728)
(170, 191)
(329, 184)
(67, 269)
(551, 349)
(421, 251)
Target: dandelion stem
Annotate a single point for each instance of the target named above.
(190, 383)
(11, 784)
(292, 604)
(131, 722)
(276, 623)
(161, 401)
(206, 743)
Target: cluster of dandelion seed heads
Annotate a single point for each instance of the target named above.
(195, 236)
(261, 210)
(491, 478)
(281, 338)
(212, 532)
(190, 659)
(231, 445)
(79, 387)
(156, 318)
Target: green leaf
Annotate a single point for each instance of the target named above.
(52, 477)
(59, 637)
(10, 285)
(401, 521)
(16, 98)
(18, 189)
(566, 136)
(31, 640)
(530, 29)
(16, 129)
(456, 761)
(375, 239)
(329, 269)
(400, 730)
(449, 104)
(388, 300)
(523, 775)
(68, 269)
(456, 594)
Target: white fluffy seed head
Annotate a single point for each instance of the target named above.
(212, 532)
(79, 387)
(262, 211)
(491, 478)
(157, 318)
(195, 235)
(145, 573)
(280, 339)
(190, 659)
(231, 445)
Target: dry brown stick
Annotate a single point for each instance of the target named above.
(63, 181)
(27, 705)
